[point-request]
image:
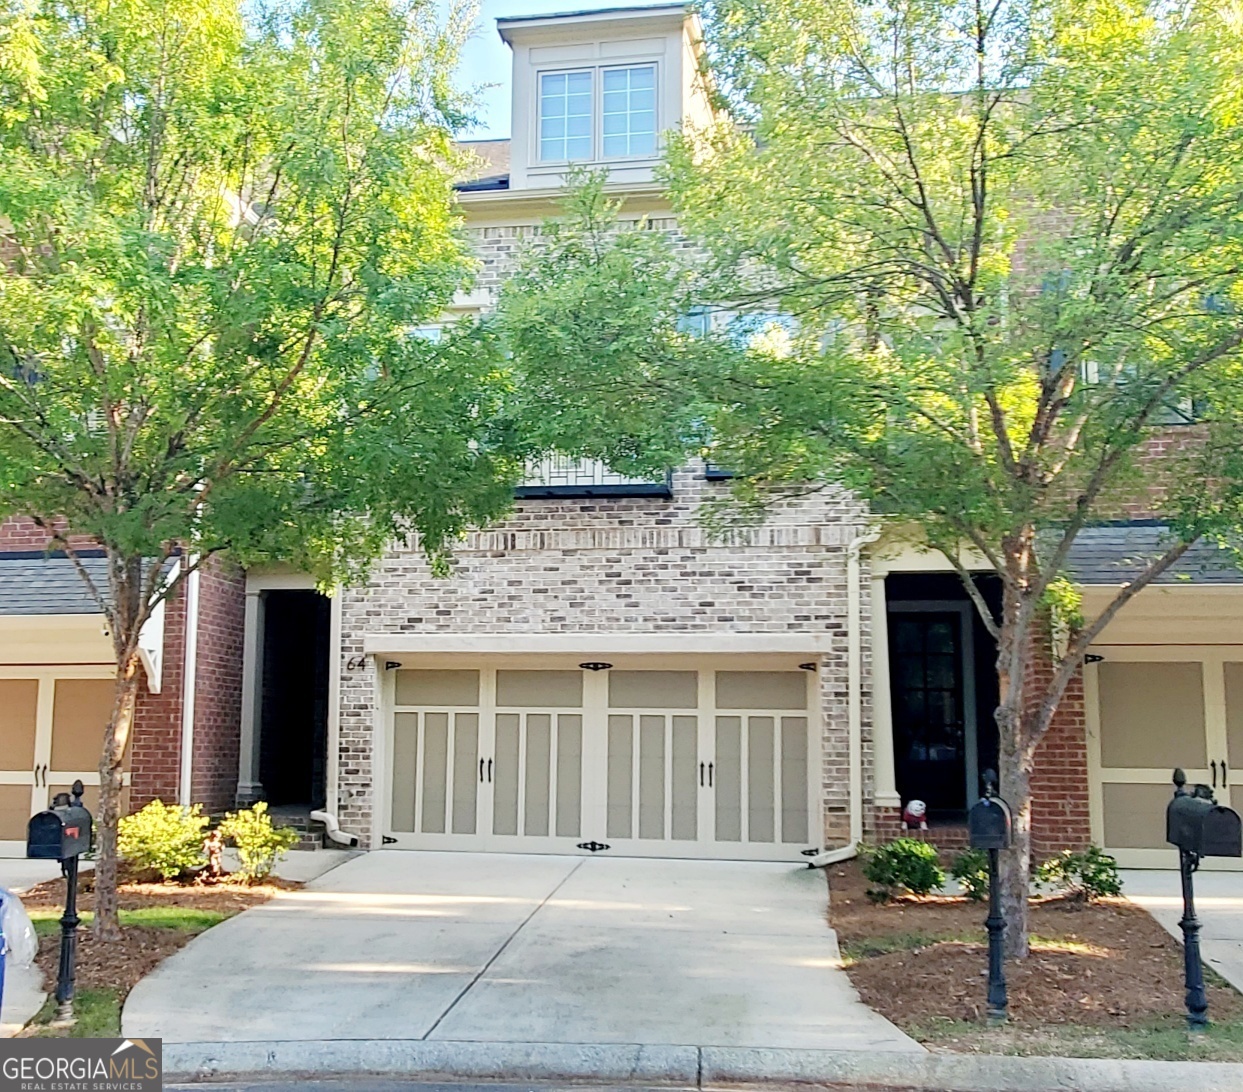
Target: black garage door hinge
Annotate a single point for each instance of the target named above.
(593, 847)
(385, 840)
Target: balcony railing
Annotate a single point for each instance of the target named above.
(560, 476)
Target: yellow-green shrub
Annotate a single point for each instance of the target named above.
(259, 844)
(167, 838)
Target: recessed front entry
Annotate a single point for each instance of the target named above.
(685, 763)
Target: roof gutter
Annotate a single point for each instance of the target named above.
(185, 783)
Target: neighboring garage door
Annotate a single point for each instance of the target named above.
(687, 763)
(52, 725)
(1151, 710)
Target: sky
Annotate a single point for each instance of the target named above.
(486, 60)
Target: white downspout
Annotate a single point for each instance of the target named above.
(854, 697)
(188, 685)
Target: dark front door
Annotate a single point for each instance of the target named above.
(293, 745)
(929, 726)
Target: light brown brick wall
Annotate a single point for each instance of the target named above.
(637, 565)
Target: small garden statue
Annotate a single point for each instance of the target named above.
(915, 815)
(213, 849)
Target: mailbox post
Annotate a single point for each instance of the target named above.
(988, 824)
(1199, 827)
(63, 833)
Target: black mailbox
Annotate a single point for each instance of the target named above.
(988, 824)
(63, 831)
(1195, 823)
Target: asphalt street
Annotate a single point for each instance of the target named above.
(364, 1085)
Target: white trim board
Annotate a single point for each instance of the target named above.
(602, 644)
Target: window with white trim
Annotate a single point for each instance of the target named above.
(565, 111)
(575, 123)
(628, 111)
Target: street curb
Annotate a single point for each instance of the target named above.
(406, 1057)
(685, 1065)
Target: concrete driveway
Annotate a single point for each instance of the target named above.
(1219, 906)
(523, 949)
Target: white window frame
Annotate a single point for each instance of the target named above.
(599, 113)
(539, 115)
(596, 71)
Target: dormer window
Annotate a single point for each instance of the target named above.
(622, 120)
(629, 111)
(565, 116)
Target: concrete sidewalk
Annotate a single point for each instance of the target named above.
(23, 986)
(1219, 906)
(503, 948)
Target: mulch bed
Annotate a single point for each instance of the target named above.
(120, 964)
(1118, 967)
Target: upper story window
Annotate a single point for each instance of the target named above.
(575, 123)
(629, 111)
(565, 115)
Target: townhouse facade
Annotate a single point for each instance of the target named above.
(599, 674)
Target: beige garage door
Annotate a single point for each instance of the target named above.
(52, 727)
(692, 763)
(1151, 710)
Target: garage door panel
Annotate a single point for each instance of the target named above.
(728, 779)
(15, 811)
(569, 775)
(431, 687)
(539, 689)
(19, 703)
(653, 689)
(761, 690)
(505, 787)
(81, 711)
(620, 780)
(1152, 715)
(794, 751)
(434, 781)
(1234, 713)
(684, 807)
(1134, 815)
(405, 767)
(465, 779)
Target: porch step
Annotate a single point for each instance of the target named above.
(312, 835)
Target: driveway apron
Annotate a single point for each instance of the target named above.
(523, 949)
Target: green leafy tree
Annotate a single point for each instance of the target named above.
(219, 222)
(1009, 236)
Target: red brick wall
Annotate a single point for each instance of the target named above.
(155, 755)
(1060, 774)
(218, 690)
(20, 533)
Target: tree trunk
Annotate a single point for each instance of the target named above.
(1015, 789)
(116, 740)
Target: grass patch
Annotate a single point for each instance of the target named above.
(1166, 1040)
(98, 1014)
(854, 951)
(184, 919)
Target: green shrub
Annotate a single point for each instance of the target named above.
(259, 844)
(1092, 874)
(905, 864)
(166, 838)
(970, 868)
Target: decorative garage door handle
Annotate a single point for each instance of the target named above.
(1224, 783)
(481, 770)
(1213, 767)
